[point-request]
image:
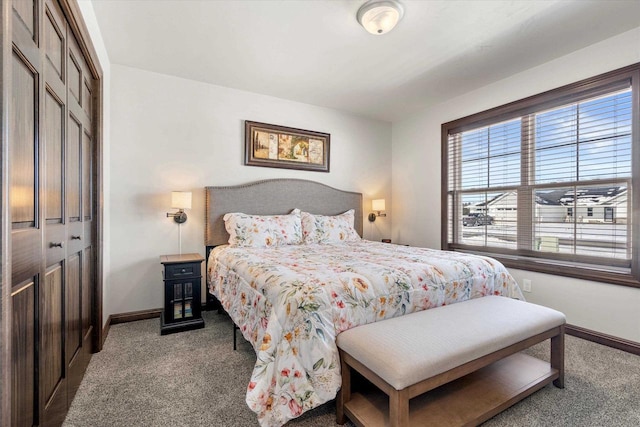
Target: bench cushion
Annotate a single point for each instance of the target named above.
(408, 349)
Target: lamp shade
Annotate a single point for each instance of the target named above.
(181, 199)
(377, 205)
(380, 16)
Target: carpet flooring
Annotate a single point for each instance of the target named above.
(195, 378)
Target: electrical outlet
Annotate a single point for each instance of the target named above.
(526, 285)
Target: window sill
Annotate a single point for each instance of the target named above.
(610, 275)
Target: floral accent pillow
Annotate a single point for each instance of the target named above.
(259, 231)
(329, 229)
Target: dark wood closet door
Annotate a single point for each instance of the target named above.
(51, 184)
(79, 216)
(53, 301)
(25, 209)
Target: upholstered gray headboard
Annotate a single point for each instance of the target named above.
(272, 197)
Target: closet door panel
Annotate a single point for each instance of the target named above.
(52, 372)
(74, 195)
(53, 149)
(54, 50)
(23, 145)
(73, 298)
(87, 306)
(87, 191)
(73, 309)
(25, 29)
(87, 97)
(23, 331)
(87, 294)
(74, 184)
(25, 11)
(55, 233)
(54, 39)
(75, 79)
(23, 179)
(87, 174)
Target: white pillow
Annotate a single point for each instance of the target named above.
(263, 230)
(329, 228)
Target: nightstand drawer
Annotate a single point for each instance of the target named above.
(179, 271)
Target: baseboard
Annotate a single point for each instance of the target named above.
(604, 339)
(131, 316)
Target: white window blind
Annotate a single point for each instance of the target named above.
(553, 182)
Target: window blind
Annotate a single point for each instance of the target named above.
(548, 181)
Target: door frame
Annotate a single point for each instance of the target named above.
(73, 14)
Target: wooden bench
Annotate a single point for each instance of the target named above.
(460, 362)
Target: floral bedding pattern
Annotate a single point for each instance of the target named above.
(329, 228)
(290, 302)
(263, 230)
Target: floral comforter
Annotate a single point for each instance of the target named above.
(290, 302)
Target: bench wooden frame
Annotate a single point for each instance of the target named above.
(466, 395)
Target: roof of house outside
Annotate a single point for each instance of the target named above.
(595, 196)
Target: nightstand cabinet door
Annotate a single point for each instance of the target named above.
(182, 299)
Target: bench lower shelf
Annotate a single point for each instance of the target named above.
(469, 400)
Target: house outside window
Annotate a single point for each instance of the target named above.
(554, 176)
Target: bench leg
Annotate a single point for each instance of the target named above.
(399, 408)
(344, 394)
(557, 357)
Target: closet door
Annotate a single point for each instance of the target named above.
(55, 286)
(79, 215)
(51, 206)
(25, 158)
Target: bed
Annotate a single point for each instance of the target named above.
(291, 300)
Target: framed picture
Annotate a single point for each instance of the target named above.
(283, 147)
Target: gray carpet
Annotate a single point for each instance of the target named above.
(194, 378)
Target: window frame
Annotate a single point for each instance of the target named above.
(565, 264)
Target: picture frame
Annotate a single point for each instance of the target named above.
(276, 146)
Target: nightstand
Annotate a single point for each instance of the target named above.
(182, 300)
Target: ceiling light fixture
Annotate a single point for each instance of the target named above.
(380, 16)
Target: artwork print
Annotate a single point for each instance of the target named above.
(283, 147)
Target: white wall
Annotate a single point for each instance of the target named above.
(416, 181)
(88, 14)
(170, 134)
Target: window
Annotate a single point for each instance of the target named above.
(548, 181)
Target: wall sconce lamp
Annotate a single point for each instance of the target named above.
(380, 16)
(180, 200)
(377, 205)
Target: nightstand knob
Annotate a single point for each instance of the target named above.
(56, 245)
(184, 270)
(76, 237)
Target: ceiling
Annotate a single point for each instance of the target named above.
(316, 52)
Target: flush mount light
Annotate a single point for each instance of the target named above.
(380, 16)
